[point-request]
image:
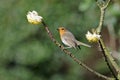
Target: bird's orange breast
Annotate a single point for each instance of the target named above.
(62, 32)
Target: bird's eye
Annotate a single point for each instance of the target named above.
(62, 29)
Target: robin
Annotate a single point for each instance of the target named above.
(69, 40)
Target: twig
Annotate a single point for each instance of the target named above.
(107, 62)
(72, 56)
(101, 20)
(102, 11)
(106, 54)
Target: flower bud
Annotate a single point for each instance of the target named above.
(92, 37)
(34, 18)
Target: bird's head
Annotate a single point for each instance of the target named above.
(61, 30)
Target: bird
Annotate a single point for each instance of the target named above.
(69, 40)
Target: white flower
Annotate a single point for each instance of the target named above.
(92, 37)
(33, 17)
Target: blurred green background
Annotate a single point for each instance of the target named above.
(27, 53)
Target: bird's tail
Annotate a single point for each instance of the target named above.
(83, 44)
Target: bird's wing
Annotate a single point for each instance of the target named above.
(70, 39)
(70, 42)
(70, 36)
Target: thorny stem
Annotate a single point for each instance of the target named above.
(71, 55)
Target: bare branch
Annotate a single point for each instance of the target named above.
(103, 5)
(72, 56)
(108, 58)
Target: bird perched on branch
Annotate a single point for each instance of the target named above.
(68, 39)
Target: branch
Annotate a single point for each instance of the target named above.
(107, 61)
(103, 5)
(111, 59)
(71, 55)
